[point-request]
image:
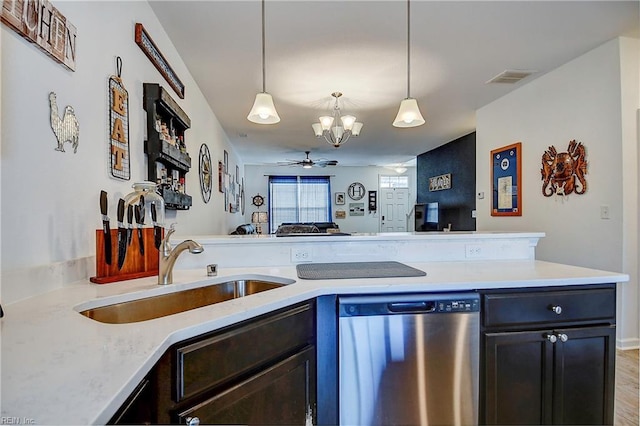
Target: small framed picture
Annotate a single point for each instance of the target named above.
(340, 198)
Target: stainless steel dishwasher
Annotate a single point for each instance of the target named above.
(409, 359)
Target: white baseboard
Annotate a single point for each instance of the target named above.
(624, 344)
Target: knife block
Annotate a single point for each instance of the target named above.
(135, 265)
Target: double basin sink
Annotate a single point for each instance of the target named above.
(176, 302)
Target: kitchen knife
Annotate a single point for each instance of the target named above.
(122, 235)
(139, 211)
(106, 229)
(157, 230)
(130, 224)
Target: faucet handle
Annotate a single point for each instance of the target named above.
(165, 244)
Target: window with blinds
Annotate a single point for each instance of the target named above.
(298, 199)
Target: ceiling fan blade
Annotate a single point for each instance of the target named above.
(326, 163)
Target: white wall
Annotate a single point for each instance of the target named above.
(257, 181)
(580, 100)
(50, 199)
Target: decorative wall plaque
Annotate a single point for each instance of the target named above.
(438, 183)
(143, 39)
(356, 191)
(119, 125)
(206, 181)
(66, 128)
(564, 172)
(44, 25)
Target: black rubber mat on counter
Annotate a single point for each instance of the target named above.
(345, 270)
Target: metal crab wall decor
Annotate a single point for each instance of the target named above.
(564, 172)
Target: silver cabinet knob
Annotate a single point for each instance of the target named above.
(563, 337)
(192, 421)
(556, 309)
(552, 338)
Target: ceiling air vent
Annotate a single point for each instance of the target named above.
(511, 76)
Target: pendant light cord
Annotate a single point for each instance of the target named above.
(263, 66)
(408, 49)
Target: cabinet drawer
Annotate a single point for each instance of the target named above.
(215, 360)
(537, 308)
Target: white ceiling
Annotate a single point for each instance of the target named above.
(314, 48)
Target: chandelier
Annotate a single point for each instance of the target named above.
(337, 129)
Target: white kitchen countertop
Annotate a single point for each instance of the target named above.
(59, 367)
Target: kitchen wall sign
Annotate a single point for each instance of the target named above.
(67, 128)
(438, 183)
(506, 179)
(146, 44)
(44, 25)
(119, 125)
(564, 173)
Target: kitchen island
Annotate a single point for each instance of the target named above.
(60, 367)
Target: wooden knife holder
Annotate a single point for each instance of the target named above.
(135, 265)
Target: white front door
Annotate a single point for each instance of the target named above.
(394, 204)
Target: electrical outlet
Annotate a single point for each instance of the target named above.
(473, 251)
(300, 255)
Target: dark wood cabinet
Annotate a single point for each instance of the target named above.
(167, 157)
(283, 394)
(259, 371)
(138, 408)
(548, 357)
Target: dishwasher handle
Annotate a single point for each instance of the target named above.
(409, 307)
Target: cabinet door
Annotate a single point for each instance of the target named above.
(138, 408)
(282, 394)
(584, 376)
(517, 378)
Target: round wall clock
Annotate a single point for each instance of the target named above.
(356, 191)
(205, 173)
(258, 200)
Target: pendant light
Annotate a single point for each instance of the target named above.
(409, 114)
(263, 111)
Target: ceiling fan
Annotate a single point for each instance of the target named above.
(308, 163)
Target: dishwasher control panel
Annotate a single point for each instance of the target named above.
(409, 304)
(461, 305)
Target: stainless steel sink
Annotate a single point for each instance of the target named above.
(180, 301)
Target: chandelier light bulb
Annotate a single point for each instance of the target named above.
(326, 122)
(357, 126)
(348, 121)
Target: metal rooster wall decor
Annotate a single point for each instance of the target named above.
(564, 173)
(66, 128)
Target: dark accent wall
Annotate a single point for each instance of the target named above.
(458, 157)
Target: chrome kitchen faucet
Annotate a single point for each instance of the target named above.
(169, 255)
